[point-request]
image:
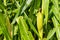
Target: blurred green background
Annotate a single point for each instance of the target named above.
(18, 20)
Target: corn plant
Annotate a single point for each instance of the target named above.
(29, 19)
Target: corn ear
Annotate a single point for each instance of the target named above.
(40, 24)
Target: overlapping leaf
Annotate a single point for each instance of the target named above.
(23, 29)
(4, 27)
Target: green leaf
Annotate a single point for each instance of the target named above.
(51, 33)
(15, 29)
(3, 26)
(0, 30)
(5, 2)
(55, 22)
(23, 7)
(31, 25)
(45, 6)
(23, 28)
(30, 35)
(55, 9)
